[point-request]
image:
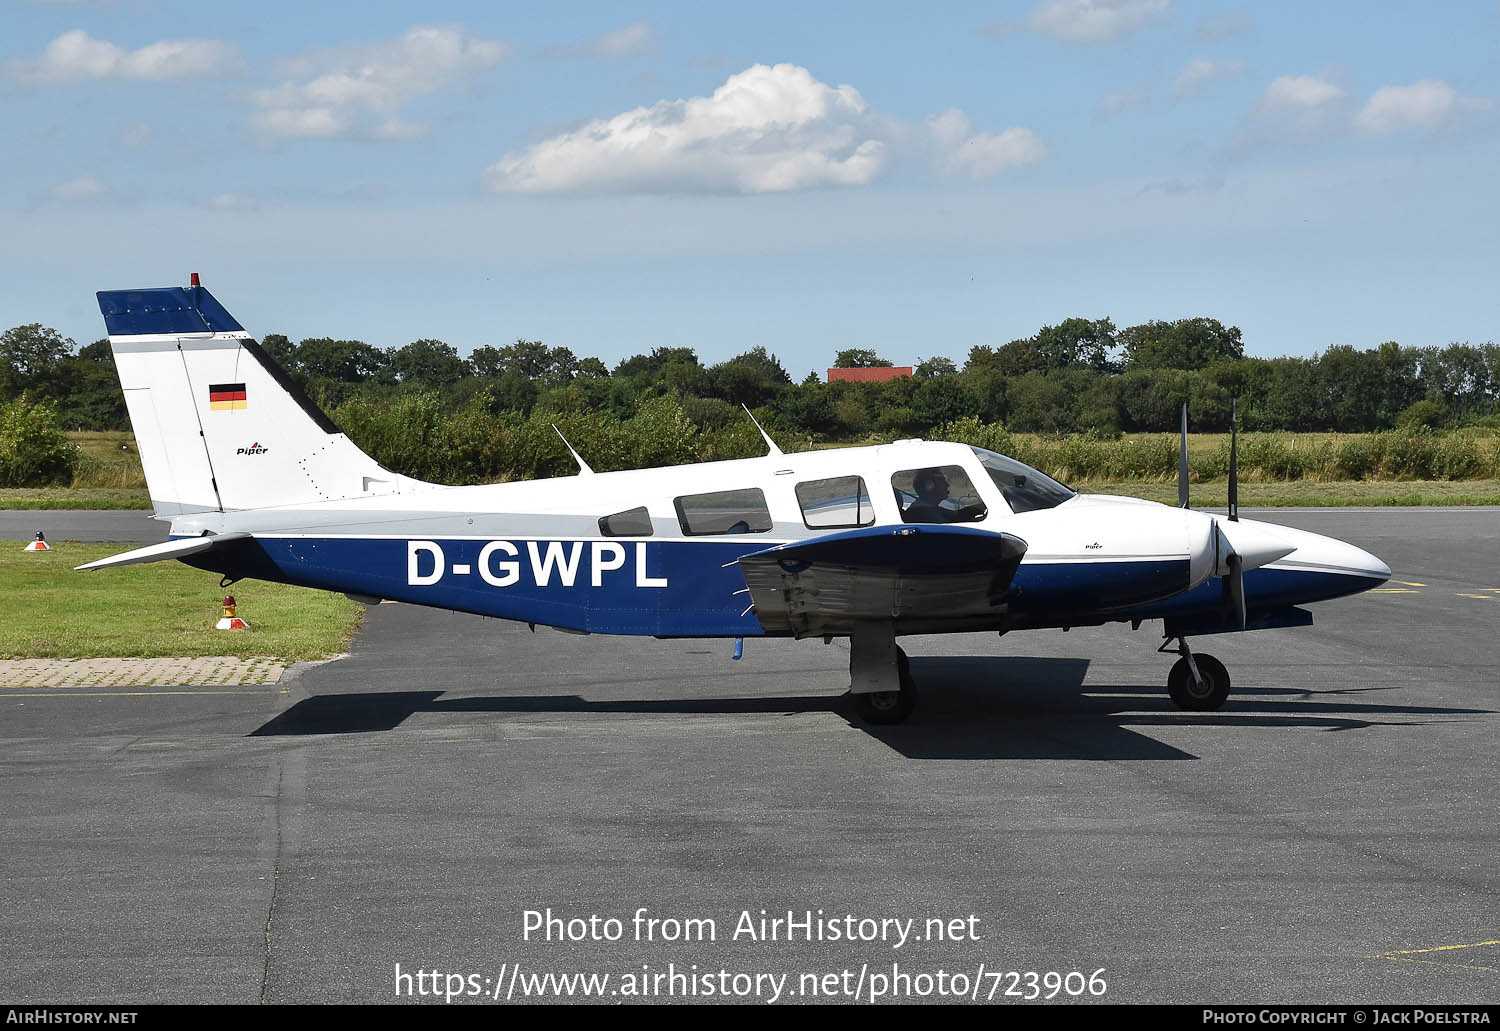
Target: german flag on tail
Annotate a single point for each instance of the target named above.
(226, 397)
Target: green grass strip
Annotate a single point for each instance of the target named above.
(58, 498)
(162, 609)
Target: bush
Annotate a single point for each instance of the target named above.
(1144, 458)
(1360, 458)
(1269, 456)
(992, 436)
(1422, 413)
(33, 450)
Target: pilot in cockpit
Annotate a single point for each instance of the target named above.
(931, 488)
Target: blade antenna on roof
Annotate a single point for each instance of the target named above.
(583, 467)
(769, 442)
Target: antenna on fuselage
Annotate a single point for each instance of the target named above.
(583, 467)
(769, 442)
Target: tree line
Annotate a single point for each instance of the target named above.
(1079, 376)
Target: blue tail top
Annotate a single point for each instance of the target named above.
(164, 310)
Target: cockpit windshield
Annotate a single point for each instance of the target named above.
(1025, 489)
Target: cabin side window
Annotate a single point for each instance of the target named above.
(840, 501)
(635, 522)
(937, 494)
(725, 511)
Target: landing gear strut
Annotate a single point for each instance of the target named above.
(1197, 683)
(887, 707)
(879, 675)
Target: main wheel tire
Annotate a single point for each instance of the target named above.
(889, 707)
(1193, 697)
(884, 708)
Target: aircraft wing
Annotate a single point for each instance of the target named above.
(166, 550)
(915, 576)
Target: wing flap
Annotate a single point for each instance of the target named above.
(166, 550)
(909, 575)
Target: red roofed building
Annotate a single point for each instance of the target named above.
(877, 374)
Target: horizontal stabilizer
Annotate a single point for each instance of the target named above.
(910, 575)
(168, 550)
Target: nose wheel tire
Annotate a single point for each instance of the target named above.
(889, 707)
(1195, 697)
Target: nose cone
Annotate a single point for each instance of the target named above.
(1370, 566)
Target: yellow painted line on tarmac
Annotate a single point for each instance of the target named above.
(1406, 956)
(1438, 948)
(1408, 583)
(1409, 956)
(1481, 597)
(1392, 590)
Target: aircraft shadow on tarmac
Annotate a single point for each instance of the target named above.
(972, 707)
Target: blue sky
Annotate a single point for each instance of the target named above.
(614, 177)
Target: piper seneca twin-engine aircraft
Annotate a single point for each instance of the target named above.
(865, 543)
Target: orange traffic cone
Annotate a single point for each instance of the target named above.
(229, 621)
(40, 544)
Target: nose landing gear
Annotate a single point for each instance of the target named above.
(1197, 683)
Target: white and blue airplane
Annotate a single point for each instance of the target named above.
(864, 543)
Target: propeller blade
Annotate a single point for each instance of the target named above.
(1182, 466)
(1234, 466)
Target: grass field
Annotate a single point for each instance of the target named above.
(1310, 493)
(110, 477)
(52, 498)
(107, 460)
(163, 609)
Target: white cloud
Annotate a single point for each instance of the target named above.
(1201, 71)
(84, 188)
(638, 39)
(1421, 105)
(360, 90)
(135, 135)
(78, 57)
(1094, 21)
(232, 202)
(1112, 102)
(981, 155)
(1299, 93)
(767, 129)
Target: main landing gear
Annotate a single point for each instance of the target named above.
(887, 707)
(1198, 683)
(880, 682)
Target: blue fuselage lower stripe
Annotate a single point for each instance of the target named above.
(695, 588)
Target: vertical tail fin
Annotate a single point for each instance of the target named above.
(219, 425)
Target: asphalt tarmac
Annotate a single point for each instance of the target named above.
(1328, 837)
